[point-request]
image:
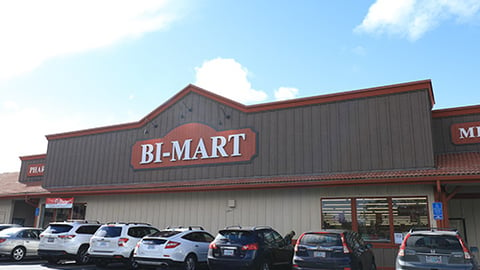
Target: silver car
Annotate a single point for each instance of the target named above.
(18, 242)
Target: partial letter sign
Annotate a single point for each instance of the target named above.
(466, 133)
(194, 144)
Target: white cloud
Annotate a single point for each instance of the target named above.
(284, 93)
(34, 31)
(413, 18)
(228, 78)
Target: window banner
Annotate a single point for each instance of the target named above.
(59, 203)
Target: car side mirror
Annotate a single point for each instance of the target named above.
(474, 249)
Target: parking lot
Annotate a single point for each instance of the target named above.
(38, 264)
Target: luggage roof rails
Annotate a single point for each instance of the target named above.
(191, 227)
(433, 229)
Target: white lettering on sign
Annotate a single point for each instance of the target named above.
(35, 170)
(471, 132)
(181, 149)
(195, 144)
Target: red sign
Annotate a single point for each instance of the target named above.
(35, 170)
(59, 203)
(465, 133)
(195, 144)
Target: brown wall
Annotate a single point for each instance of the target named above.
(23, 178)
(373, 133)
(442, 139)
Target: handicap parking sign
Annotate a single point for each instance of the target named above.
(437, 211)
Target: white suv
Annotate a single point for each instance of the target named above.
(67, 240)
(179, 246)
(116, 241)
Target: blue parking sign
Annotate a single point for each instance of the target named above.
(437, 211)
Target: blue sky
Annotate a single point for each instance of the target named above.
(72, 65)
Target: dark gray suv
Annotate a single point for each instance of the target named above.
(435, 249)
(259, 247)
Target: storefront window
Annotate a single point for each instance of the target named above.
(373, 219)
(408, 213)
(337, 214)
(62, 214)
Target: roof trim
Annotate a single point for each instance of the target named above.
(356, 94)
(33, 157)
(466, 110)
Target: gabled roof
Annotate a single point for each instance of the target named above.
(363, 93)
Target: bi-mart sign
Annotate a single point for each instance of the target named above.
(195, 144)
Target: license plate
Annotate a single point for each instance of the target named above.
(150, 247)
(228, 252)
(51, 240)
(102, 244)
(320, 254)
(434, 259)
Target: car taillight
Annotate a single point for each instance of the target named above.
(122, 242)
(2, 240)
(346, 249)
(212, 246)
(172, 244)
(298, 242)
(401, 250)
(253, 246)
(466, 252)
(66, 236)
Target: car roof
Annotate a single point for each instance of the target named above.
(17, 229)
(246, 228)
(337, 231)
(433, 231)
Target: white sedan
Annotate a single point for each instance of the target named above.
(185, 246)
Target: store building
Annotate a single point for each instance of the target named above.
(378, 161)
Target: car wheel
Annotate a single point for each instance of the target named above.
(190, 262)
(132, 264)
(18, 254)
(265, 266)
(82, 255)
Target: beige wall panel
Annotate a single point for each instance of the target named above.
(6, 208)
(469, 210)
(284, 209)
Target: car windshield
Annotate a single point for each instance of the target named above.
(109, 231)
(58, 228)
(241, 237)
(428, 242)
(165, 234)
(321, 239)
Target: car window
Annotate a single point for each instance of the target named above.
(438, 242)
(195, 237)
(58, 228)
(269, 237)
(140, 232)
(109, 231)
(321, 239)
(233, 236)
(207, 237)
(87, 229)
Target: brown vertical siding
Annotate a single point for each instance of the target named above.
(442, 138)
(373, 133)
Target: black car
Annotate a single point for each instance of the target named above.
(435, 249)
(333, 249)
(250, 248)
